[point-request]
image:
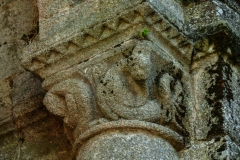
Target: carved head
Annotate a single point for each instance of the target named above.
(141, 63)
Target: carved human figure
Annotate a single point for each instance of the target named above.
(135, 89)
(128, 90)
(125, 89)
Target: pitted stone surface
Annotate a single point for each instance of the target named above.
(72, 99)
(90, 13)
(127, 146)
(135, 85)
(173, 93)
(231, 104)
(176, 140)
(217, 148)
(63, 51)
(117, 98)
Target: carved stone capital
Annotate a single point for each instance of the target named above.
(122, 93)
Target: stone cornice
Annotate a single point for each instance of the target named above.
(190, 21)
(39, 56)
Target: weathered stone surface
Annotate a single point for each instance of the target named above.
(217, 109)
(42, 140)
(47, 57)
(9, 145)
(143, 71)
(26, 128)
(6, 116)
(8, 57)
(138, 147)
(211, 17)
(170, 9)
(49, 8)
(74, 101)
(127, 146)
(25, 86)
(82, 16)
(131, 79)
(21, 95)
(27, 96)
(155, 95)
(217, 148)
(45, 140)
(19, 19)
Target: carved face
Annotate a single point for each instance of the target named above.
(141, 64)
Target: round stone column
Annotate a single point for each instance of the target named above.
(128, 139)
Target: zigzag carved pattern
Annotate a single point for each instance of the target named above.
(99, 32)
(88, 37)
(170, 33)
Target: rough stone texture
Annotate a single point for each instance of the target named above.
(170, 9)
(27, 129)
(9, 56)
(19, 19)
(74, 97)
(126, 146)
(216, 17)
(27, 95)
(172, 93)
(41, 140)
(6, 116)
(84, 15)
(22, 113)
(217, 148)
(219, 81)
(47, 57)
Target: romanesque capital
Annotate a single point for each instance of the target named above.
(144, 80)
